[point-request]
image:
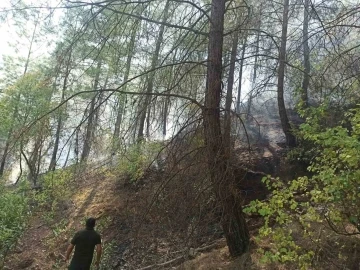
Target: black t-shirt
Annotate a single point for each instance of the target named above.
(84, 242)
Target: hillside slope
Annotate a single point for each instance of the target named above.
(120, 208)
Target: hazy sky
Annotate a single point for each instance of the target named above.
(4, 32)
(14, 45)
(19, 46)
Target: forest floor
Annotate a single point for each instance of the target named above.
(119, 209)
(133, 236)
(44, 243)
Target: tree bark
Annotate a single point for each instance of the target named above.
(290, 138)
(33, 161)
(100, 100)
(243, 50)
(220, 172)
(165, 115)
(229, 92)
(167, 99)
(5, 153)
(151, 78)
(91, 120)
(122, 97)
(254, 77)
(52, 165)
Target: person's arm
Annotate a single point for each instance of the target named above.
(68, 252)
(98, 254)
(71, 247)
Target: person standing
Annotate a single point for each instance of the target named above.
(85, 242)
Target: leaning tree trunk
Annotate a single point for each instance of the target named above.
(290, 138)
(220, 171)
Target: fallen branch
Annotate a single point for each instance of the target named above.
(191, 253)
(172, 262)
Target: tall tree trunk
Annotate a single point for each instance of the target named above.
(52, 165)
(5, 153)
(122, 97)
(148, 123)
(91, 120)
(229, 92)
(68, 155)
(151, 77)
(89, 131)
(306, 78)
(167, 99)
(254, 77)
(34, 160)
(165, 115)
(220, 170)
(238, 100)
(76, 146)
(100, 100)
(290, 138)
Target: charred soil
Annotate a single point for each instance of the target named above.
(162, 220)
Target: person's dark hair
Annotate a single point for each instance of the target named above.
(90, 223)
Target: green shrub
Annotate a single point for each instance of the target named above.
(55, 190)
(13, 215)
(137, 158)
(329, 198)
(56, 186)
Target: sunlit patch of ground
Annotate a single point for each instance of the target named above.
(44, 244)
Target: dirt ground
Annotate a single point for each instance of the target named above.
(119, 209)
(135, 237)
(44, 243)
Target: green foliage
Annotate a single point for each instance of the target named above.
(24, 102)
(137, 159)
(30, 95)
(284, 210)
(57, 184)
(13, 215)
(330, 197)
(14, 204)
(56, 188)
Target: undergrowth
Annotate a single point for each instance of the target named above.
(303, 215)
(135, 160)
(13, 216)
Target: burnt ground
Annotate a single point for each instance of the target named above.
(137, 230)
(173, 231)
(134, 236)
